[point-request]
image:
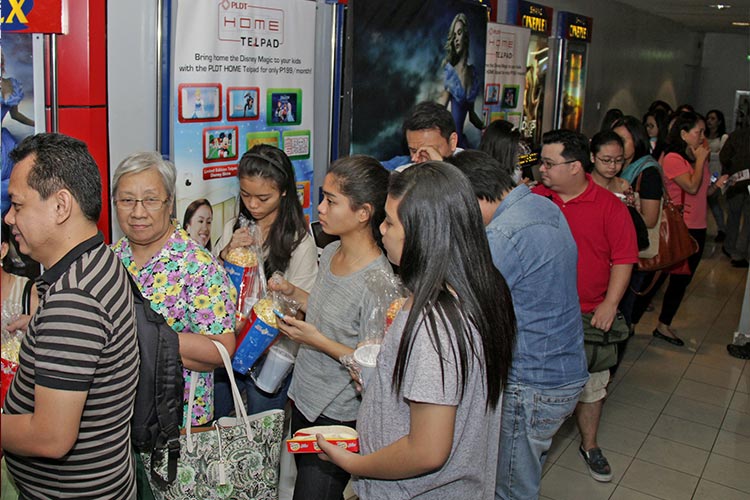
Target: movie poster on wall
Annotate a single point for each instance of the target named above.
(242, 75)
(505, 72)
(408, 51)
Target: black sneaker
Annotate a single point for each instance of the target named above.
(598, 466)
(739, 351)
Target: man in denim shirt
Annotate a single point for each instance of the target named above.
(534, 250)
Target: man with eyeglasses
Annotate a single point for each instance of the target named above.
(607, 250)
(66, 418)
(530, 242)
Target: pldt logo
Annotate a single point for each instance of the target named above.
(15, 14)
(251, 25)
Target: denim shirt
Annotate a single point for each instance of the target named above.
(534, 250)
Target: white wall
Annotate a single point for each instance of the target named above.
(725, 69)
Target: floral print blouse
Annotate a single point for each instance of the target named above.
(189, 288)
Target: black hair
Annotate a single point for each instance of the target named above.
(5, 234)
(489, 180)
(190, 211)
(430, 114)
(575, 145)
(602, 139)
(682, 108)
(364, 181)
(661, 105)
(62, 162)
(641, 144)
(289, 228)
(447, 265)
(500, 141)
(683, 122)
(722, 128)
(661, 117)
(611, 116)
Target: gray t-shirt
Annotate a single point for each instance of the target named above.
(338, 307)
(470, 469)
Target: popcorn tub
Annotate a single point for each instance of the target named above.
(304, 440)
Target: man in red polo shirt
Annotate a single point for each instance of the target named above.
(607, 249)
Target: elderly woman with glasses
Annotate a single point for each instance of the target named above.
(183, 281)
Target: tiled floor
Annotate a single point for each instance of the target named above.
(676, 424)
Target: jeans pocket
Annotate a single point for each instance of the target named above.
(550, 411)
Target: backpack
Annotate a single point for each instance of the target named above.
(157, 415)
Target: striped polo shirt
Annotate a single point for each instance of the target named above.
(82, 338)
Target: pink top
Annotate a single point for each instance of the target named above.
(694, 213)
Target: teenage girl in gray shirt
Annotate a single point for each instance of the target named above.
(336, 308)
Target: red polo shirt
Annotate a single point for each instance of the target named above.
(605, 236)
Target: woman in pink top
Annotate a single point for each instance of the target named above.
(686, 175)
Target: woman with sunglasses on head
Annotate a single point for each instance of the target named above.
(268, 196)
(429, 423)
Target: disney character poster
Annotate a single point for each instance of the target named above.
(408, 51)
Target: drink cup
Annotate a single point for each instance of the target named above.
(366, 357)
(277, 365)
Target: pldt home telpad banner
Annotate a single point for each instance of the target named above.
(242, 75)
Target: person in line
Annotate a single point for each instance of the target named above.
(430, 134)
(66, 417)
(14, 288)
(530, 241)
(607, 249)
(429, 423)
(336, 308)
(657, 126)
(503, 143)
(199, 216)
(180, 278)
(686, 174)
(735, 157)
(716, 134)
(268, 196)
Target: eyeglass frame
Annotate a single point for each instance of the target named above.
(547, 165)
(612, 161)
(143, 202)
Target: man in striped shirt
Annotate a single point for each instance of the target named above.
(66, 418)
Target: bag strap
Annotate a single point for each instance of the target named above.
(239, 407)
(26, 298)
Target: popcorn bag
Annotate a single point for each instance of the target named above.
(11, 347)
(245, 269)
(257, 332)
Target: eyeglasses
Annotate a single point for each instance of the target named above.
(548, 164)
(151, 204)
(611, 161)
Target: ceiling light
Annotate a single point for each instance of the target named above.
(742, 24)
(720, 6)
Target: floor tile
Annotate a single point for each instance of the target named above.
(673, 455)
(703, 392)
(728, 472)
(644, 377)
(734, 446)
(744, 383)
(629, 416)
(726, 377)
(565, 484)
(623, 493)
(707, 490)
(559, 445)
(659, 481)
(737, 422)
(685, 432)
(740, 402)
(620, 439)
(640, 396)
(695, 411)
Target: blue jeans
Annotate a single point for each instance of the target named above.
(531, 417)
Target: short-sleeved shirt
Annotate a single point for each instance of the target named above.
(384, 418)
(190, 289)
(338, 306)
(603, 230)
(82, 338)
(695, 206)
(530, 241)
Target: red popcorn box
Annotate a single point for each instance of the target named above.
(304, 440)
